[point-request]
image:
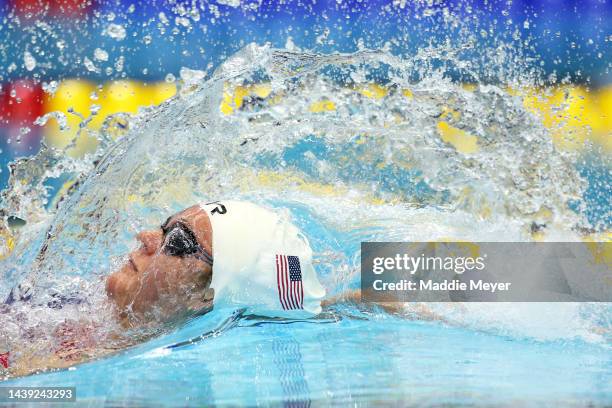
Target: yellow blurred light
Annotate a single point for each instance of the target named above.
(233, 97)
(157, 92)
(323, 106)
(407, 93)
(572, 114)
(573, 117)
(119, 96)
(7, 244)
(373, 91)
(261, 90)
(604, 99)
(459, 139)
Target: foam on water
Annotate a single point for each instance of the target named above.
(349, 145)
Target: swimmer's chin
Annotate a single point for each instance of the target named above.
(169, 309)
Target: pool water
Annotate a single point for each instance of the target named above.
(349, 357)
(376, 167)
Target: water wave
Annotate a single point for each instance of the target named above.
(357, 147)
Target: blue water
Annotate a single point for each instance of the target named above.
(351, 357)
(346, 356)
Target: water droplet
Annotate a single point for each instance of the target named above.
(231, 3)
(162, 18)
(90, 65)
(147, 39)
(170, 78)
(94, 109)
(50, 87)
(116, 31)
(22, 132)
(100, 54)
(182, 21)
(59, 116)
(29, 61)
(119, 63)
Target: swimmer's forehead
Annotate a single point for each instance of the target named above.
(188, 215)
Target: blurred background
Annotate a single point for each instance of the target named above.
(89, 59)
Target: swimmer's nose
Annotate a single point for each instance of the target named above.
(151, 241)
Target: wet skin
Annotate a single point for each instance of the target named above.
(154, 281)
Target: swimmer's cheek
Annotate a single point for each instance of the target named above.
(142, 295)
(122, 290)
(111, 285)
(115, 290)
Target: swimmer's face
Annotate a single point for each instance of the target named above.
(165, 275)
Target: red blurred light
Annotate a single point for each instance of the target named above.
(55, 8)
(20, 103)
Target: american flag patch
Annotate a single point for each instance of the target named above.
(289, 281)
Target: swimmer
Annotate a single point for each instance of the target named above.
(214, 253)
(211, 254)
(227, 252)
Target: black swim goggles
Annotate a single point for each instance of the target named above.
(180, 241)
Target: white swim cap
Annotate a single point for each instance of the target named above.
(262, 261)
